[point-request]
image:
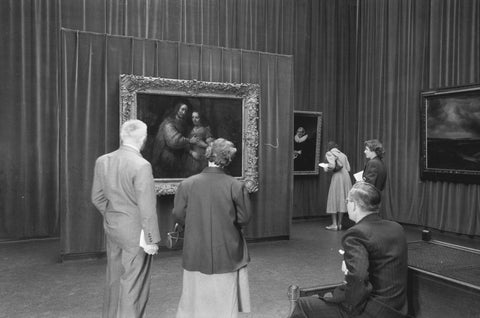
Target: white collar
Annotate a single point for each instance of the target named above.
(301, 139)
(212, 164)
(131, 146)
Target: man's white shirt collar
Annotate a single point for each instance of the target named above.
(131, 146)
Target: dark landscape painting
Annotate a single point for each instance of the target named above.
(459, 154)
(451, 133)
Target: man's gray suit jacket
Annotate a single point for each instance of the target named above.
(123, 191)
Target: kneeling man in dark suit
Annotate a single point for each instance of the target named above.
(375, 265)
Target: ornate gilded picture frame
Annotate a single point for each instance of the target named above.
(306, 142)
(183, 116)
(450, 134)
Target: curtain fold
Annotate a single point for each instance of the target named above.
(325, 82)
(29, 134)
(92, 64)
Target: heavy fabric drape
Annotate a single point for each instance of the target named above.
(29, 132)
(31, 33)
(325, 82)
(320, 34)
(91, 65)
(405, 47)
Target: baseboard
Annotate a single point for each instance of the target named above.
(99, 255)
(81, 256)
(267, 239)
(297, 219)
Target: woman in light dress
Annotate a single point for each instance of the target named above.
(339, 185)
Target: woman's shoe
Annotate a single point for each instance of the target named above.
(332, 227)
(339, 227)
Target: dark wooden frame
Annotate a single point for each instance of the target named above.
(450, 134)
(312, 122)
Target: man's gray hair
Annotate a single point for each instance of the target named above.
(366, 195)
(133, 129)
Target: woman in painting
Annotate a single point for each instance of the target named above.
(197, 161)
(171, 146)
(339, 185)
(375, 171)
(214, 208)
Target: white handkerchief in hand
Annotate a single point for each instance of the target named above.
(143, 243)
(344, 268)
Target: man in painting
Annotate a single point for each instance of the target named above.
(123, 192)
(171, 145)
(303, 151)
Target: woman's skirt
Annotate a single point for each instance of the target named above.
(338, 192)
(216, 295)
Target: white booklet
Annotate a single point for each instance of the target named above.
(358, 176)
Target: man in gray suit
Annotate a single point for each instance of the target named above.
(123, 192)
(375, 265)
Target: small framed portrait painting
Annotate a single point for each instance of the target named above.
(306, 142)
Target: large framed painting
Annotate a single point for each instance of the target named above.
(450, 134)
(183, 116)
(306, 142)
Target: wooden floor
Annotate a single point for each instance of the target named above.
(34, 284)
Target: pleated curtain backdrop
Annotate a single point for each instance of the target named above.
(405, 47)
(91, 65)
(30, 97)
(361, 63)
(29, 132)
(320, 34)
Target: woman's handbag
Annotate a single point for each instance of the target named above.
(338, 165)
(175, 237)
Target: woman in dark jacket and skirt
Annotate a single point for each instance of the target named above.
(214, 207)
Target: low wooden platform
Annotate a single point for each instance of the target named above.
(443, 280)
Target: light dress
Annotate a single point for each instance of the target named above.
(226, 293)
(340, 184)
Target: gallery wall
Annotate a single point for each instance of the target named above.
(29, 110)
(363, 69)
(91, 67)
(405, 47)
(31, 61)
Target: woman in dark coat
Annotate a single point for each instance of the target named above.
(214, 207)
(375, 171)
